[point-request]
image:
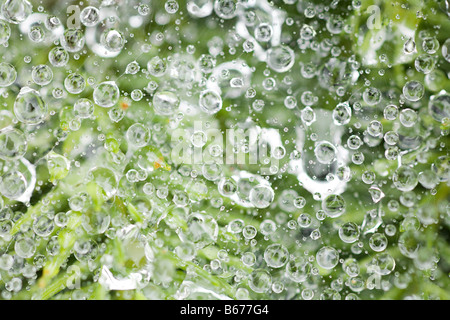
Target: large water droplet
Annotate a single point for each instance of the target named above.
(29, 106)
(16, 11)
(106, 94)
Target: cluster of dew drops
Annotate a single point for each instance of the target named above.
(351, 191)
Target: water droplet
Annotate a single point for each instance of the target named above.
(5, 32)
(72, 40)
(29, 106)
(342, 114)
(405, 178)
(16, 11)
(43, 226)
(171, 6)
(280, 59)
(58, 166)
(138, 135)
(8, 74)
(372, 96)
(90, 16)
(408, 117)
(325, 152)
(333, 205)
(260, 280)
(42, 74)
(430, 45)
(439, 106)
(210, 102)
(413, 90)
(261, 196)
(25, 248)
(276, 255)
(75, 83)
(112, 40)
(425, 63)
(263, 32)
(378, 242)
(106, 94)
(58, 57)
(409, 46)
(225, 9)
(13, 185)
(349, 232)
(390, 112)
(327, 257)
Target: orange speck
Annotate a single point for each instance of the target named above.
(124, 105)
(157, 164)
